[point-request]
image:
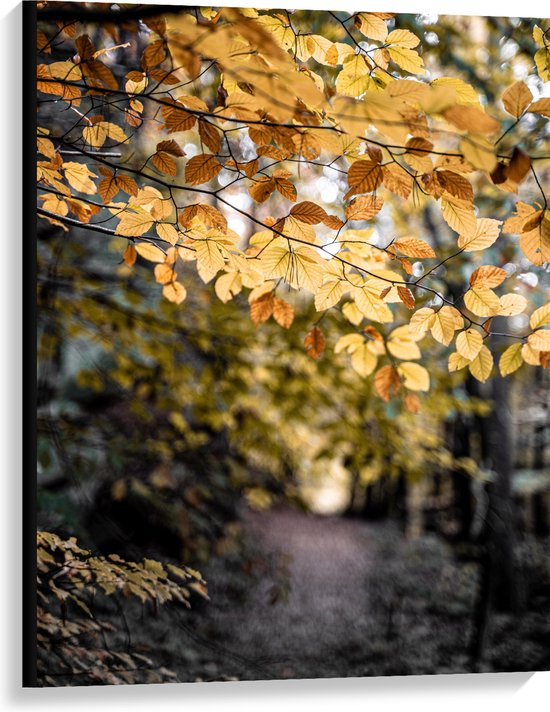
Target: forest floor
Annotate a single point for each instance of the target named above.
(310, 596)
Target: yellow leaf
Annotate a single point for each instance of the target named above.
(457, 362)
(530, 355)
(401, 344)
(535, 243)
(471, 118)
(479, 151)
(228, 285)
(328, 295)
(510, 360)
(407, 59)
(371, 26)
(482, 302)
(482, 365)
(469, 343)
(363, 361)
(167, 232)
(80, 177)
(397, 179)
(174, 292)
(149, 252)
(416, 376)
(445, 324)
(403, 38)
(459, 215)
(485, 233)
(511, 304)
(349, 343)
(413, 247)
(364, 207)
(134, 224)
(164, 274)
(464, 93)
(421, 321)
(540, 340)
(209, 259)
(355, 77)
(517, 98)
(540, 317)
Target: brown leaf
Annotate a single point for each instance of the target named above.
(201, 169)
(487, 277)
(308, 212)
(172, 147)
(364, 207)
(406, 297)
(387, 382)
(261, 309)
(363, 177)
(261, 189)
(209, 135)
(412, 402)
(283, 312)
(519, 166)
(165, 163)
(130, 255)
(315, 343)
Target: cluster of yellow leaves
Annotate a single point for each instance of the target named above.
(290, 112)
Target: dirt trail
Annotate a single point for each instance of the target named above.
(310, 618)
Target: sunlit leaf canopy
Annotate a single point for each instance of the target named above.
(296, 157)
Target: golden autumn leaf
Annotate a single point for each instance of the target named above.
(363, 177)
(539, 340)
(482, 365)
(469, 343)
(134, 224)
(459, 215)
(457, 362)
(364, 207)
(164, 274)
(482, 302)
(540, 317)
(416, 377)
(79, 177)
(485, 233)
(175, 292)
(149, 252)
(314, 343)
(510, 360)
(512, 304)
(413, 247)
(363, 361)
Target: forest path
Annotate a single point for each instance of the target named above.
(309, 615)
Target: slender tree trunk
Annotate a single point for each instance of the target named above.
(501, 582)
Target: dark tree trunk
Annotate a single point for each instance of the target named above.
(501, 582)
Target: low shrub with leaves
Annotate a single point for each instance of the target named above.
(73, 646)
